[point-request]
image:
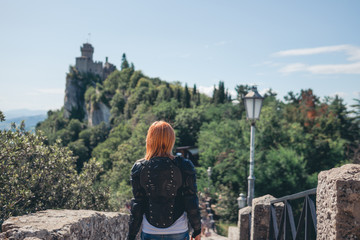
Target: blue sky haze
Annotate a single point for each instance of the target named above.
(283, 45)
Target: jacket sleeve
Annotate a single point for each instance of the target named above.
(191, 200)
(137, 203)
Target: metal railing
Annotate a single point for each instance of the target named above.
(306, 223)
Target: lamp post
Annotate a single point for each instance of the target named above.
(241, 200)
(209, 171)
(253, 103)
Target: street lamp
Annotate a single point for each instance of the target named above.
(253, 103)
(209, 171)
(241, 200)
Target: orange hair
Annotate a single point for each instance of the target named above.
(160, 140)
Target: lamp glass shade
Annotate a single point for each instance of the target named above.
(253, 103)
(249, 104)
(257, 108)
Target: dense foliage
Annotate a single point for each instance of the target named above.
(35, 176)
(295, 138)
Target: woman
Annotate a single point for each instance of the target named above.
(164, 189)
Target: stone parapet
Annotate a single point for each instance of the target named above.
(338, 203)
(260, 216)
(67, 224)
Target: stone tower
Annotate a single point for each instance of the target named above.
(74, 92)
(85, 63)
(87, 51)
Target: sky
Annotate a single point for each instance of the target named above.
(282, 45)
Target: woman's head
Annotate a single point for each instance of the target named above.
(160, 140)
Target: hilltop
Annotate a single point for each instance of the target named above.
(106, 118)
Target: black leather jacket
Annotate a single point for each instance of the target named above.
(163, 189)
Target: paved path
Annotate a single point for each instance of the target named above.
(213, 236)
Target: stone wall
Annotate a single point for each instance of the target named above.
(67, 224)
(337, 207)
(260, 217)
(338, 203)
(244, 222)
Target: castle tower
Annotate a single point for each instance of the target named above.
(85, 63)
(87, 50)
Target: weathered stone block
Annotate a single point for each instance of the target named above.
(260, 216)
(67, 224)
(244, 223)
(338, 203)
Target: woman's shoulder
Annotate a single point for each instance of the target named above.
(138, 165)
(185, 164)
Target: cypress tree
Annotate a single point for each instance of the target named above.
(214, 96)
(221, 92)
(198, 99)
(194, 90)
(186, 97)
(177, 94)
(124, 62)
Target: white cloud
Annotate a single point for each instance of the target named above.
(352, 51)
(266, 63)
(350, 68)
(293, 67)
(209, 91)
(206, 90)
(232, 92)
(263, 91)
(353, 68)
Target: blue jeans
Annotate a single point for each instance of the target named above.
(176, 236)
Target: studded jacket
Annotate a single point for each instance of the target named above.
(163, 190)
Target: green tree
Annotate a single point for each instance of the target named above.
(35, 176)
(178, 94)
(2, 117)
(187, 125)
(194, 90)
(81, 152)
(117, 104)
(166, 110)
(186, 97)
(127, 153)
(124, 62)
(242, 90)
(281, 172)
(219, 94)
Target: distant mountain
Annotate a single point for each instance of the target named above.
(15, 113)
(30, 121)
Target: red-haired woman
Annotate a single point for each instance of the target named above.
(164, 189)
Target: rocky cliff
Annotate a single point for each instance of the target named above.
(97, 113)
(74, 96)
(75, 105)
